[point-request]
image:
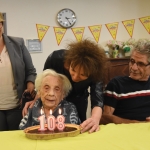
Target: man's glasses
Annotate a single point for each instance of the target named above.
(139, 64)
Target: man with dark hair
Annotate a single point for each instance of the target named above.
(127, 99)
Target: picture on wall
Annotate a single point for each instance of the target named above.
(34, 45)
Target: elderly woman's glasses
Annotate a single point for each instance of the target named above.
(139, 64)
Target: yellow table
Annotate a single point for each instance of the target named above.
(110, 137)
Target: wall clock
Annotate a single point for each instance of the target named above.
(66, 18)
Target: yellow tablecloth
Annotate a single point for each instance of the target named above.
(110, 137)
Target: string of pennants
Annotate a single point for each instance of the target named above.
(95, 30)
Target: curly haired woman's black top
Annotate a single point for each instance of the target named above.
(79, 94)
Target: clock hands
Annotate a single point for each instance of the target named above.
(68, 20)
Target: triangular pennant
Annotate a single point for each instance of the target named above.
(41, 29)
(95, 30)
(59, 32)
(112, 28)
(146, 23)
(78, 32)
(129, 25)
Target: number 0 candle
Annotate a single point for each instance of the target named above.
(51, 122)
(60, 121)
(42, 122)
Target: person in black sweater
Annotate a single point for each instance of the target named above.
(84, 64)
(127, 98)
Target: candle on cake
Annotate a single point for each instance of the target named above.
(60, 121)
(51, 122)
(42, 122)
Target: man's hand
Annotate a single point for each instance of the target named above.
(90, 124)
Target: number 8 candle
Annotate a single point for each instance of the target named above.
(51, 122)
(60, 121)
(42, 122)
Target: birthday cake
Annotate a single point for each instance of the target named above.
(34, 133)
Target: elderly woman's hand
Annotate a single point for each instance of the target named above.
(91, 125)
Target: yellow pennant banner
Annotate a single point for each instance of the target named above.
(41, 29)
(112, 28)
(129, 25)
(146, 23)
(95, 30)
(78, 32)
(59, 32)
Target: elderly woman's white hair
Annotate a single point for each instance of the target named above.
(49, 72)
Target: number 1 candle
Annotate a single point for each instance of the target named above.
(42, 122)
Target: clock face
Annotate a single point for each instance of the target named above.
(66, 18)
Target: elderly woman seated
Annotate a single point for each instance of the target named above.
(52, 88)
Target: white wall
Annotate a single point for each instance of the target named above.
(23, 15)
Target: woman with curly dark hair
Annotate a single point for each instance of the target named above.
(84, 64)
